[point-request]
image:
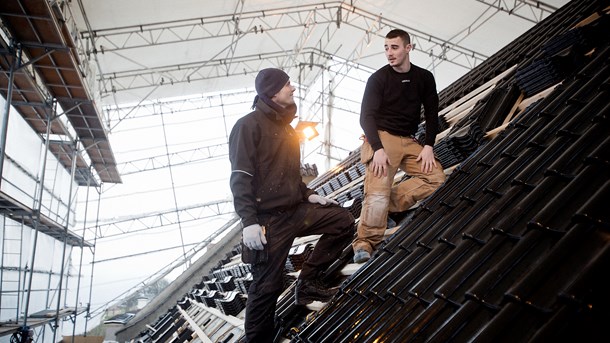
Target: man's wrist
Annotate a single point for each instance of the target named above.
(248, 222)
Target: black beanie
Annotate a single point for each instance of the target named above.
(268, 82)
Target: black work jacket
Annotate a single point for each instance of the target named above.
(265, 165)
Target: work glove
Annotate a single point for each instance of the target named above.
(316, 199)
(254, 237)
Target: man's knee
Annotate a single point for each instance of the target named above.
(437, 178)
(374, 210)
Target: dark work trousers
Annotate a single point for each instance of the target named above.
(336, 225)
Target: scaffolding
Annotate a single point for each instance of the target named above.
(41, 170)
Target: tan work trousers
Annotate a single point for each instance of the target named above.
(380, 193)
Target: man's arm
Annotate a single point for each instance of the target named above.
(430, 101)
(242, 154)
(371, 101)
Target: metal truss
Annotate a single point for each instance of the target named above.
(334, 15)
(530, 10)
(186, 72)
(175, 159)
(159, 219)
(117, 114)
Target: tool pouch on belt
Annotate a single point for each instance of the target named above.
(253, 256)
(366, 151)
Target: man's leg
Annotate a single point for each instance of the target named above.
(268, 281)
(336, 225)
(374, 213)
(420, 185)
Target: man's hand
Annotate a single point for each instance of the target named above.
(254, 237)
(317, 199)
(426, 156)
(379, 164)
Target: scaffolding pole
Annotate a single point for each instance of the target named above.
(7, 108)
(97, 217)
(80, 263)
(36, 215)
(63, 254)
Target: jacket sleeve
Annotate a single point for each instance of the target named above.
(242, 154)
(430, 101)
(306, 192)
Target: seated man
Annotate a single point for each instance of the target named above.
(389, 116)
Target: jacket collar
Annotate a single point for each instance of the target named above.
(277, 113)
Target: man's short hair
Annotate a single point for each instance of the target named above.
(399, 33)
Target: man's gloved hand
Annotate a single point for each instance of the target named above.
(254, 237)
(316, 199)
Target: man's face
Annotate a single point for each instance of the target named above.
(284, 96)
(396, 51)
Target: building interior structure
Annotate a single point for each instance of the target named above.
(114, 172)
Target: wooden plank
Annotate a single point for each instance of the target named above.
(478, 90)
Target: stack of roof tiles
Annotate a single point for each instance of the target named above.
(297, 256)
(243, 283)
(166, 327)
(239, 275)
(226, 284)
(309, 170)
(231, 304)
(211, 284)
(209, 298)
(514, 246)
(340, 176)
(460, 144)
(237, 270)
(197, 294)
(420, 135)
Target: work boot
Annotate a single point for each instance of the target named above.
(361, 256)
(307, 291)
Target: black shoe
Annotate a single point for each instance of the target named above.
(307, 291)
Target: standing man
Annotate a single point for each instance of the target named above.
(389, 116)
(276, 206)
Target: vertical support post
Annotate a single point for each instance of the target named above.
(7, 108)
(36, 214)
(63, 255)
(299, 109)
(97, 217)
(329, 121)
(2, 247)
(80, 263)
